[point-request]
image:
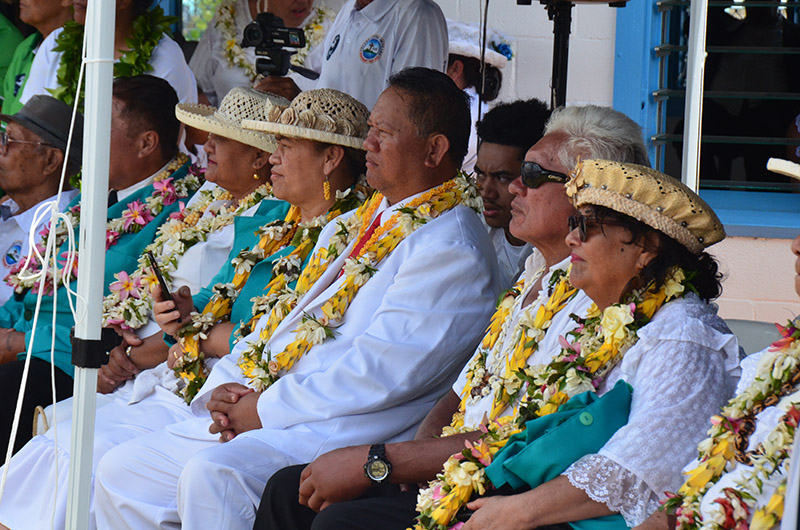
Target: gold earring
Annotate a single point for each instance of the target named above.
(255, 176)
(326, 189)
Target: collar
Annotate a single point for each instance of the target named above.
(376, 10)
(536, 261)
(130, 190)
(25, 219)
(390, 210)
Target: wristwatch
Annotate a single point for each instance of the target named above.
(377, 469)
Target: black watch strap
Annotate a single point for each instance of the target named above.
(377, 468)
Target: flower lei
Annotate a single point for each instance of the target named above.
(128, 304)
(235, 56)
(146, 32)
(191, 367)
(262, 367)
(599, 343)
(489, 371)
(134, 218)
(727, 444)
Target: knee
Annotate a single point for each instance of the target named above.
(111, 466)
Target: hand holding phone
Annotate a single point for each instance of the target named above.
(154, 265)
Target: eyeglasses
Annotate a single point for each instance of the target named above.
(5, 140)
(582, 222)
(533, 175)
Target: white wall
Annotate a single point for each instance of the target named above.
(591, 60)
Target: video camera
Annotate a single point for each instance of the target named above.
(269, 35)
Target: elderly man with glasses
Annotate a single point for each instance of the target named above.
(31, 159)
(337, 489)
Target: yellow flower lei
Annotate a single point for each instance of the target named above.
(191, 368)
(357, 271)
(727, 444)
(485, 376)
(601, 341)
(173, 239)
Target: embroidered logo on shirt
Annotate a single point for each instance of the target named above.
(332, 49)
(372, 49)
(11, 256)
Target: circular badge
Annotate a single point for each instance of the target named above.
(12, 255)
(332, 49)
(372, 49)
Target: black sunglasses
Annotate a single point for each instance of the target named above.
(533, 175)
(581, 222)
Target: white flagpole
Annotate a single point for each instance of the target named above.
(99, 33)
(693, 113)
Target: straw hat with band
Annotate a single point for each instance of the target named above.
(238, 105)
(655, 199)
(50, 119)
(323, 115)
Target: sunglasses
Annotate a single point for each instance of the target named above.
(5, 140)
(582, 222)
(533, 175)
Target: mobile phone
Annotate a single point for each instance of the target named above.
(154, 265)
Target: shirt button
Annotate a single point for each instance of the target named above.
(586, 418)
(28, 314)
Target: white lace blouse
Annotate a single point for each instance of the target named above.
(683, 369)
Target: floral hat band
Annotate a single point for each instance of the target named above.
(322, 115)
(240, 104)
(658, 200)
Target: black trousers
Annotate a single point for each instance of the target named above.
(383, 507)
(37, 393)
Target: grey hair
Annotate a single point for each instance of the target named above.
(597, 132)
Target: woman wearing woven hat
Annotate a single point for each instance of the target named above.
(269, 255)
(651, 347)
(315, 167)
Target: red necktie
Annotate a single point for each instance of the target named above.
(363, 241)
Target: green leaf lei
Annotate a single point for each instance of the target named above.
(147, 30)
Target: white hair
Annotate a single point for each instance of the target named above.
(597, 132)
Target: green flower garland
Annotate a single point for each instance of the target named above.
(147, 30)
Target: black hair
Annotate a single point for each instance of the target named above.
(149, 105)
(702, 268)
(437, 106)
(517, 124)
(140, 6)
(489, 88)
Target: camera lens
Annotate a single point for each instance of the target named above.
(253, 34)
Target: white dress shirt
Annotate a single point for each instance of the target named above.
(167, 62)
(364, 47)
(14, 231)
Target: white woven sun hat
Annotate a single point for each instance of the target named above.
(241, 103)
(465, 40)
(323, 115)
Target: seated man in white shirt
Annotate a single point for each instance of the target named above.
(339, 484)
(393, 301)
(504, 136)
(32, 155)
(369, 41)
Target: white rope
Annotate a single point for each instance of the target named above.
(50, 258)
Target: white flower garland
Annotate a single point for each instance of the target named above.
(128, 304)
(236, 57)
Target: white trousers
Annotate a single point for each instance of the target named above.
(36, 491)
(183, 477)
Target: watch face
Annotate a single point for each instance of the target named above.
(377, 470)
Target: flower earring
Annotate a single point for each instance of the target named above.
(326, 189)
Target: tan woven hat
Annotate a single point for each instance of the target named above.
(240, 104)
(323, 115)
(656, 199)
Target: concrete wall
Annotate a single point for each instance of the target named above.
(759, 283)
(591, 59)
